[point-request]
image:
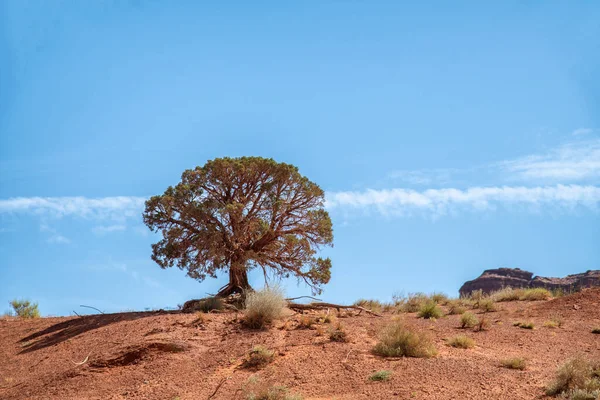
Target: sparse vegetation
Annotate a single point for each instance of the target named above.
(482, 325)
(338, 334)
(468, 320)
(536, 294)
(430, 310)
(555, 321)
(263, 307)
(412, 303)
(439, 298)
(396, 340)
(209, 304)
(306, 322)
(507, 294)
(514, 363)
(255, 389)
(487, 305)
(25, 309)
(461, 342)
(382, 375)
(524, 325)
(371, 305)
(456, 307)
(258, 357)
(578, 376)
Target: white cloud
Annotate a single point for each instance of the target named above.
(102, 230)
(437, 202)
(114, 208)
(571, 162)
(58, 239)
(582, 131)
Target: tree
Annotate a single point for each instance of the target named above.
(237, 214)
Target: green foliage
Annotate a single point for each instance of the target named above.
(461, 342)
(430, 310)
(468, 320)
(396, 340)
(382, 375)
(238, 213)
(25, 309)
(514, 363)
(487, 305)
(258, 357)
(263, 307)
(412, 303)
(576, 375)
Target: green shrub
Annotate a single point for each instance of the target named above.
(439, 298)
(258, 357)
(461, 342)
(382, 375)
(456, 307)
(514, 363)
(468, 320)
(430, 310)
(413, 302)
(576, 374)
(25, 309)
(396, 340)
(507, 294)
(263, 307)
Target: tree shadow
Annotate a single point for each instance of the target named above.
(65, 330)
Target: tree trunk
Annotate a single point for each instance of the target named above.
(238, 281)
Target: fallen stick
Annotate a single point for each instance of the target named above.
(218, 387)
(83, 362)
(320, 306)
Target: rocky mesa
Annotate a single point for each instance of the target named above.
(495, 279)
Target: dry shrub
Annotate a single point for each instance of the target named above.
(413, 302)
(576, 374)
(487, 305)
(456, 307)
(476, 296)
(439, 298)
(483, 324)
(255, 389)
(258, 357)
(430, 310)
(382, 375)
(306, 322)
(209, 304)
(524, 325)
(461, 342)
(396, 340)
(338, 334)
(507, 294)
(536, 294)
(263, 307)
(371, 305)
(514, 363)
(468, 320)
(596, 330)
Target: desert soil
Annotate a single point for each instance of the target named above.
(160, 355)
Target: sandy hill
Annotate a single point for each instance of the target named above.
(159, 355)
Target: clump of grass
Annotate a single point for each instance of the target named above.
(487, 305)
(430, 310)
(476, 296)
(263, 307)
(396, 340)
(371, 305)
(461, 342)
(439, 298)
(456, 307)
(25, 309)
(338, 334)
(254, 389)
(524, 325)
(514, 363)
(305, 322)
(555, 321)
(412, 303)
(507, 294)
(577, 374)
(482, 325)
(468, 320)
(536, 294)
(258, 357)
(596, 330)
(382, 375)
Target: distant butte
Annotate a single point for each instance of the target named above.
(495, 279)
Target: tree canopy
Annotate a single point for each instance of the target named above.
(236, 214)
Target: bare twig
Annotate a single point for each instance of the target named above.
(92, 308)
(74, 312)
(83, 362)
(303, 297)
(346, 359)
(218, 387)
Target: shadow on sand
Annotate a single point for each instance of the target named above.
(65, 330)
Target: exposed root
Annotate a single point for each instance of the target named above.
(321, 306)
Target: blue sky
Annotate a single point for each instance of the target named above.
(449, 137)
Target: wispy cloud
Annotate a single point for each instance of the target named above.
(438, 202)
(582, 131)
(102, 230)
(571, 162)
(113, 208)
(55, 237)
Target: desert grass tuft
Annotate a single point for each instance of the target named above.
(258, 357)
(468, 320)
(487, 305)
(524, 325)
(430, 310)
(514, 363)
(396, 340)
(338, 334)
(461, 342)
(576, 374)
(306, 322)
(456, 307)
(412, 303)
(536, 294)
(263, 307)
(382, 375)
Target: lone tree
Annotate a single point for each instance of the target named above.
(237, 214)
